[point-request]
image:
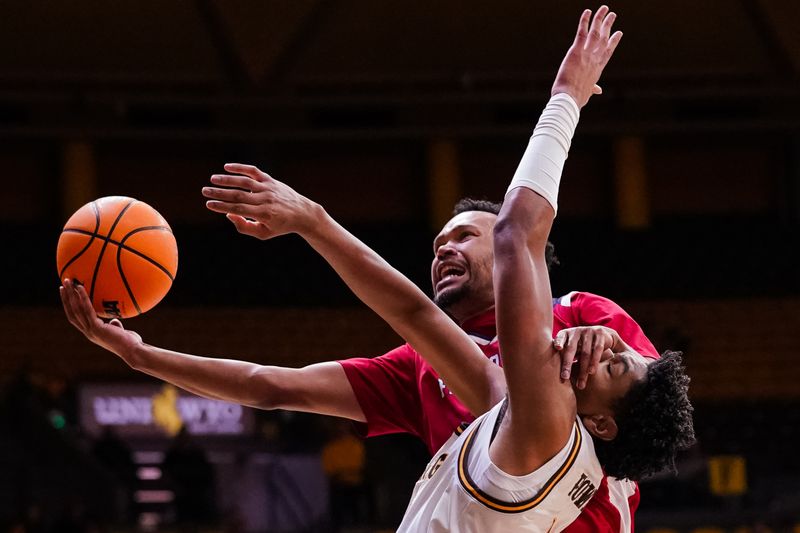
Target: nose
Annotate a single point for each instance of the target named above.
(445, 250)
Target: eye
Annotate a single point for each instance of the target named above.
(465, 234)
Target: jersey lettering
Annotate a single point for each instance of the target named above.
(443, 388)
(436, 466)
(582, 492)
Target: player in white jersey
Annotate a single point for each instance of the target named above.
(461, 490)
(530, 463)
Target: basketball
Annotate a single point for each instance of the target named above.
(122, 251)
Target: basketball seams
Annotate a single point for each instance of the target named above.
(155, 263)
(88, 244)
(125, 281)
(105, 245)
(127, 247)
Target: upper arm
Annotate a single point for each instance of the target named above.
(541, 408)
(321, 388)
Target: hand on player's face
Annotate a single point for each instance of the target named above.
(255, 203)
(588, 346)
(587, 57)
(80, 313)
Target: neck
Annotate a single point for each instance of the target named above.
(461, 316)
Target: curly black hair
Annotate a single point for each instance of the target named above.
(473, 204)
(654, 423)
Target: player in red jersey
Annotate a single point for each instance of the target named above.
(400, 392)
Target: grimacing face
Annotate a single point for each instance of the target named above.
(615, 375)
(461, 271)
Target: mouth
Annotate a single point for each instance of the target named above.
(448, 274)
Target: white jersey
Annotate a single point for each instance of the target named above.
(462, 491)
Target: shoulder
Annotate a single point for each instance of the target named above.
(587, 308)
(564, 484)
(581, 299)
(401, 363)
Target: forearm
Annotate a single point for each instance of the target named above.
(474, 380)
(218, 379)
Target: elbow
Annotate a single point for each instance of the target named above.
(267, 393)
(525, 219)
(509, 237)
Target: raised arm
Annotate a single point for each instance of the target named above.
(263, 207)
(541, 408)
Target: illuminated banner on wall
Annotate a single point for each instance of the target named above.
(152, 410)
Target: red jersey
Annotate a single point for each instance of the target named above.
(400, 392)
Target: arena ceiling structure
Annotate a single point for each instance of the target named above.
(308, 69)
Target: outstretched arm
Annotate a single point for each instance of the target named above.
(321, 388)
(541, 407)
(260, 206)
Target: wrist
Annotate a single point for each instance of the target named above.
(569, 90)
(315, 222)
(133, 354)
(566, 94)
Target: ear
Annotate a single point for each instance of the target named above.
(603, 427)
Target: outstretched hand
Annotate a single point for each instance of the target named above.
(257, 204)
(587, 57)
(80, 313)
(589, 345)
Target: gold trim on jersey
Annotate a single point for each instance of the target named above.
(513, 507)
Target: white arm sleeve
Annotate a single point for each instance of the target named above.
(541, 165)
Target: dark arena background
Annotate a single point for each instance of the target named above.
(680, 201)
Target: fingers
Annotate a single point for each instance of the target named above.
(583, 27)
(597, 355)
(605, 28)
(612, 44)
(585, 358)
(245, 210)
(241, 224)
(570, 345)
(595, 28)
(66, 301)
(235, 196)
(247, 170)
(242, 182)
(75, 300)
(85, 309)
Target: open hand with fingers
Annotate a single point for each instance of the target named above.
(588, 346)
(587, 57)
(259, 205)
(109, 335)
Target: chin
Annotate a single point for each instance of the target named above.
(450, 296)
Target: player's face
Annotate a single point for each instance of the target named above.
(461, 271)
(612, 380)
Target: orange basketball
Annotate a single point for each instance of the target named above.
(122, 251)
